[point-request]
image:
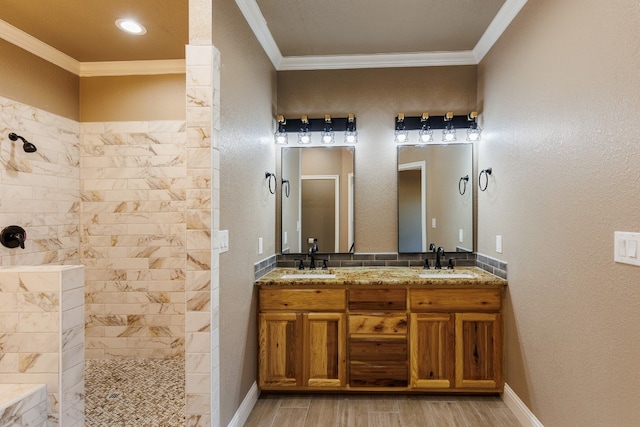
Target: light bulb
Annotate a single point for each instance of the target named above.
(328, 137)
(351, 136)
(426, 135)
(473, 134)
(448, 135)
(281, 138)
(401, 136)
(130, 26)
(304, 137)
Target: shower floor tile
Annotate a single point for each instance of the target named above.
(134, 393)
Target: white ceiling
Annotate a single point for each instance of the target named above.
(80, 35)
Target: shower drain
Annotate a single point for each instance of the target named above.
(114, 395)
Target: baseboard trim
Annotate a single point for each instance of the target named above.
(243, 412)
(519, 409)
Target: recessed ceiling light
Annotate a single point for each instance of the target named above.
(130, 26)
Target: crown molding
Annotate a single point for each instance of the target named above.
(501, 21)
(128, 68)
(87, 69)
(417, 59)
(31, 44)
(258, 25)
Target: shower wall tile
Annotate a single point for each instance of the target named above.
(40, 191)
(43, 339)
(202, 213)
(134, 182)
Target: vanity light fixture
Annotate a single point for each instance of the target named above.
(328, 136)
(131, 26)
(280, 136)
(474, 131)
(304, 136)
(425, 133)
(401, 133)
(449, 132)
(426, 124)
(305, 126)
(351, 134)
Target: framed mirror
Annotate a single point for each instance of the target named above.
(317, 199)
(435, 197)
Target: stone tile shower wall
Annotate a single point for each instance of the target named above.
(41, 335)
(202, 327)
(134, 184)
(40, 191)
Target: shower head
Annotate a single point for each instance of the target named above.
(26, 146)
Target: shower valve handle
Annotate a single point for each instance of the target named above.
(13, 236)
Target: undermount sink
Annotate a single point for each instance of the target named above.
(444, 275)
(309, 276)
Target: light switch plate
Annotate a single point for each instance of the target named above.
(626, 247)
(260, 248)
(499, 244)
(224, 241)
(433, 223)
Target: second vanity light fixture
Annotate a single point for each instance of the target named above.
(425, 124)
(305, 126)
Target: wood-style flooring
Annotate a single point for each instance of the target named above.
(274, 410)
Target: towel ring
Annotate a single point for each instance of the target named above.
(286, 188)
(272, 178)
(464, 180)
(486, 172)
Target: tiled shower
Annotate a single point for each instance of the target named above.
(132, 202)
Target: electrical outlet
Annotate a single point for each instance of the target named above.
(433, 223)
(499, 244)
(461, 235)
(260, 246)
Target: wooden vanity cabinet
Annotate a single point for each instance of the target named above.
(301, 338)
(456, 338)
(412, 339)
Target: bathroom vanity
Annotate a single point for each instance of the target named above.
(381, 330)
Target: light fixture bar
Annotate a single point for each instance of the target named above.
(338, 124)
(435, 122)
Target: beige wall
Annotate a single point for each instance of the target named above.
(554, 92)
(33, 81)
(247, 209)
(376, 96)
(132, 98)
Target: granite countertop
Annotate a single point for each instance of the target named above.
(363, 276)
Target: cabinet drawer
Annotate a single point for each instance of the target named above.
(378, 350)
(455, 299)
(377, 299)
(382, 324)
(302, 299)
(378, 375)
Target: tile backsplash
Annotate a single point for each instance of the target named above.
(334, 260)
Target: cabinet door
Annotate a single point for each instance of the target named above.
(325, 338)
(280, 355)
(478, 351)
(432, 350)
